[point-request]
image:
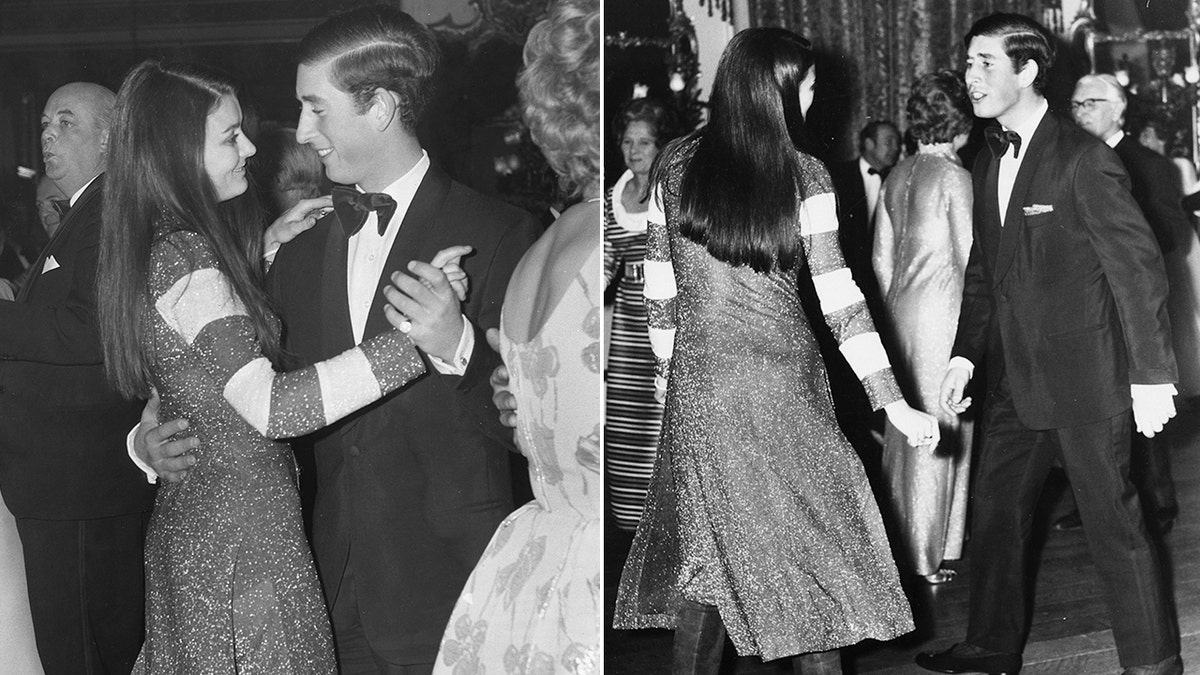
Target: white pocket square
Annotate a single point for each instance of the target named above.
(1037, 208)
(51, 264)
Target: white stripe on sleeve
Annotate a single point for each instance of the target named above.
(196, 300)
(865, 354)
(836, 290)
(347, 384)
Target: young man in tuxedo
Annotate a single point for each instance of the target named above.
(411, 489)
(80, 506)
(1065, 295)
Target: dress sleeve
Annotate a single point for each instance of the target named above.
(842, 303)
(196, 301)
(611, 262)
(659, 288)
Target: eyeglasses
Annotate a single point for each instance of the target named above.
(1088, 104)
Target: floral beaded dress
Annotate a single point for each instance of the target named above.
(533, 603)
(230, 583)
(758, 504)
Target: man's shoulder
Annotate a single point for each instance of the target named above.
(467, 201)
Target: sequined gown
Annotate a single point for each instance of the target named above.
(632, 417)
(922, 239)
(533, 603)
(18, 653)
(230, 583)
(758, 504)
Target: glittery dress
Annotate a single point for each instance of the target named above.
(758, 504)
(18, 653)
(230, 583)
(632, 418)
(533, 603)
(922, 239)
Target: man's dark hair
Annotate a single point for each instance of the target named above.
(1023, 39)
(373, 47)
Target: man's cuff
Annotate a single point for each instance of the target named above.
(462, 355)
(151, 474)
(962, 362)
(1143, 391)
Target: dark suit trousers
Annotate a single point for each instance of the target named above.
(1012, 468)
(86, 592)
(355, 654)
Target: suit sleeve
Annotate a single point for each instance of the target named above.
(517, 239)
(196, 301)
(63, 334)
(1161, 205)
(1131, 260)
(474, 388)
(975, 314)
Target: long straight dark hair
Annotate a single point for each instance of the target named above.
(741, 189)
(156, 175)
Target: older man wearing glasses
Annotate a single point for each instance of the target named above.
(1098, 105)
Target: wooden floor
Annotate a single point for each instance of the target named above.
(1070, 633)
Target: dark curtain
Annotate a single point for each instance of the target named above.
(872, 50)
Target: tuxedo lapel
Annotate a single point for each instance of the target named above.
(67, 226)
(1014, 220)
(989, 232)
(338, 334)
(412, 241)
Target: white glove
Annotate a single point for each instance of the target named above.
(1153, 405)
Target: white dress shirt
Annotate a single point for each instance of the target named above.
(367, 253)
(1009, 166)
(871, 184)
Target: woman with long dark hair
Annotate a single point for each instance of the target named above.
(230, 583)
(759, 521)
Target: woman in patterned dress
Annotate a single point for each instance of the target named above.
(533, 604)
(230, 583)
(759, 521)
(632, 416)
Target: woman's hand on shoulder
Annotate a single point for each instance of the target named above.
(295, 220)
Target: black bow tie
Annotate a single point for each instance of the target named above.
(882, 173)
(999, 139)
(353, 207)
(61, 206)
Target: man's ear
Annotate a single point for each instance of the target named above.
(1028, 73)
(104, 142)
(385, 107)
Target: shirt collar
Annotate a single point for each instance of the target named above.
(406, 186)
(1026, 127)
(75, 197)
(864, 167)
(1112, 141)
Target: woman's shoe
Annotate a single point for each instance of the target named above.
(941, 576)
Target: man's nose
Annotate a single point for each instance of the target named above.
(304, 128)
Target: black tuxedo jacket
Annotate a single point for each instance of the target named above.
(62, 428)
(1155, 187)
(1068, 299)
(855, 233)
(412, 487)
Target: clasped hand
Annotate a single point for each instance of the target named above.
(919, 428)
(426, 305)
